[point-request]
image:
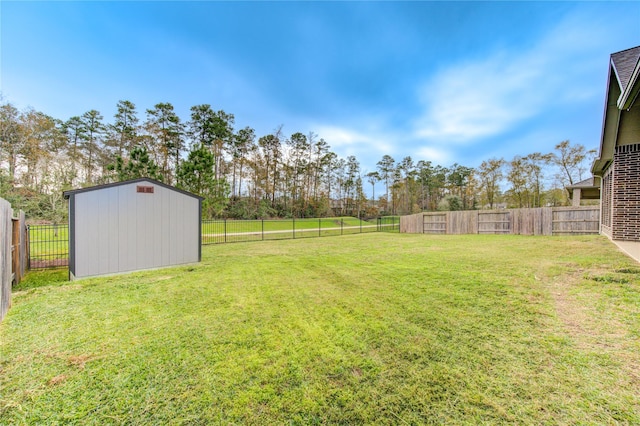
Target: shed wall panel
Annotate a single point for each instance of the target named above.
(174, 231)
(179, 241)
(87, 237)
(191, 225)
(113, 246)
(165, 241)
(126, 228)
(104, 229)
(146, 225)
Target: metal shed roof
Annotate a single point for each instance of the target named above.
(69, 193)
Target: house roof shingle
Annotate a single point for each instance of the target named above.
(622, 94)
(624, 63)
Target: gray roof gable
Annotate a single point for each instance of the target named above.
(624, 63)
(67, 194)
(622, 93)
(586, 183)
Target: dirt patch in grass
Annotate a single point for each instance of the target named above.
(592, 323)
(49, 263)
(79, 360)
(57, 380)
(163, 278)
(585, 327)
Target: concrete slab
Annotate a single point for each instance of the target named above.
(631, 248)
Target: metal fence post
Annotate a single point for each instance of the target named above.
(341, 227)
(262, 229)
(28, 249)
(225, 230)
(319, 227)
(293, 219)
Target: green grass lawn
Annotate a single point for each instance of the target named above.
(364, 329)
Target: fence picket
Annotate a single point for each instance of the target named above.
(6, 233)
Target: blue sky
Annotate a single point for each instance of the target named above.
(440, 81)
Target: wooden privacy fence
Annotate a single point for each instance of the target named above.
(13, 252)
(535, 221)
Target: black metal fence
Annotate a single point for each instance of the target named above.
(49, 244)
(231, 231)
(389, 224)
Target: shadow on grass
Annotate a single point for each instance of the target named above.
(43, 278)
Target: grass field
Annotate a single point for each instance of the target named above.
(363, 329)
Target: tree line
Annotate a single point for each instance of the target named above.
(242, 175)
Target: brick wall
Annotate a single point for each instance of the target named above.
(626, 194)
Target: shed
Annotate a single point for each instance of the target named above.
(132, 225)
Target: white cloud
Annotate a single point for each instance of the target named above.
(471, 101)
(352, 141)
(513, 93)
(437, 155)
(477, 100)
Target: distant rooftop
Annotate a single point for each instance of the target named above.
(586, 183)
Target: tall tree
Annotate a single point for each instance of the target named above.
(298, 151)
(373, 178)
(91, 144)
(459, 177)
(124, 128)
(164, 125)
(243, 143)
(518, 177)
(432, 181)
(271, 151)
(196, 174)
(490, 174)
(535, 163)
(353, 182)
(76, 134)
(570, 160)
(10, 137)
(386, 167)
(138, 164)
(406, 167)
(320, 153)
(214, 130)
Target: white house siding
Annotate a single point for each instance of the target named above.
(116, 229)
